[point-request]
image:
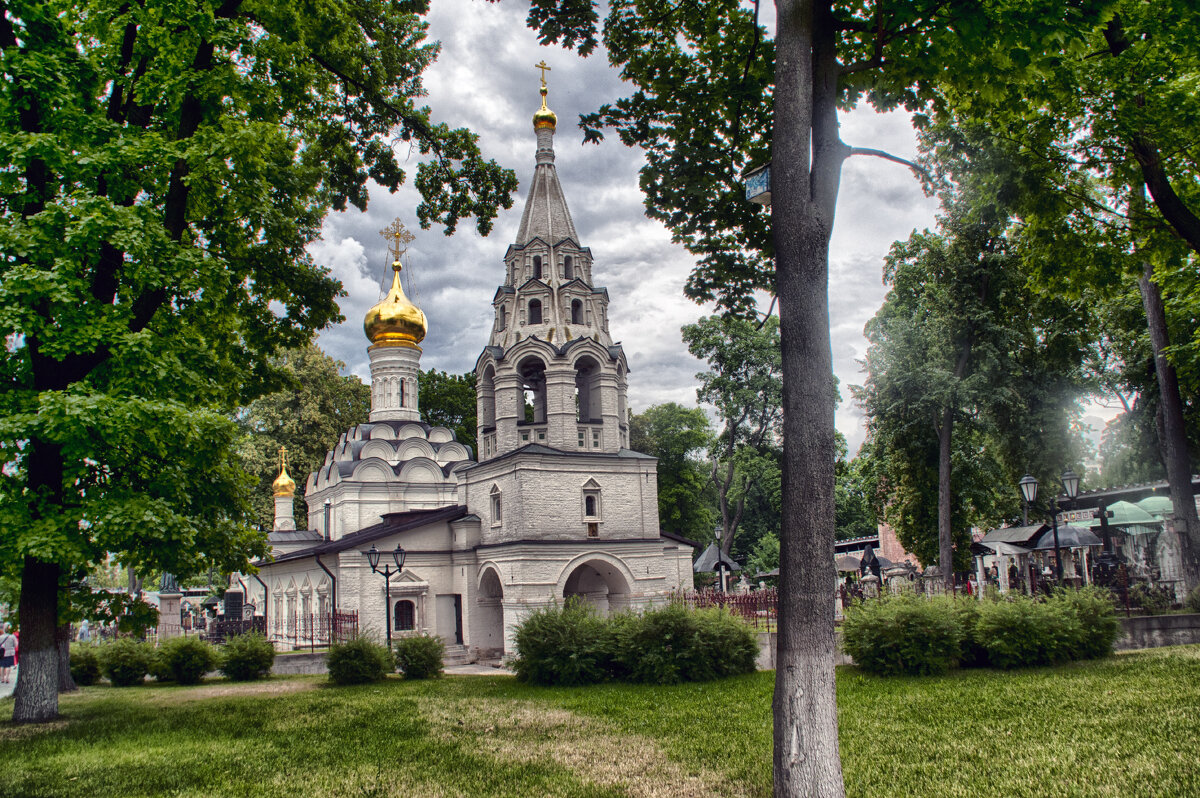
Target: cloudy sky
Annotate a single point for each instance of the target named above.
(485, 80)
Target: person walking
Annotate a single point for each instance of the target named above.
(8, 653)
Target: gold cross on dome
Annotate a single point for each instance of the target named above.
(398, 238)
(545, 68)
(283, 457)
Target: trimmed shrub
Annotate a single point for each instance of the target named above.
(420, 656)
(1152, 600)
(1097, 627)
(158, 668)
(661, 647)
(247, 657)
(125, 661)
(1192, 602)
(904, 633)
(971, 653)
(358, 661)
(85, 665)
(564, 645)
(1019, 632)
(727, 644)
(186, 659)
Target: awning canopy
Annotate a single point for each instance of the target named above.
(1018, 535)
(1069, 537)
(1005, 549)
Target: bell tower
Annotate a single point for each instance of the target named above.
(551, 374)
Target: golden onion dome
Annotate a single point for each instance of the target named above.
(283, 484)
(544, 117)
(395, 321)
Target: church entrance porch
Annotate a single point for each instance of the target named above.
(487, 627)
(601, 584)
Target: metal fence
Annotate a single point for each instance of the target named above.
(315, 630)
(759, 608)
(219, 630)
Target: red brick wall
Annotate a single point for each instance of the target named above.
(890, 548)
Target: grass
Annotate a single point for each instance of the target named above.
(1123, 726)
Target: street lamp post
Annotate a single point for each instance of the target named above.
(387, 573)
(1029, 488)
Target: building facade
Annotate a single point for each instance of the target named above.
(556, 504)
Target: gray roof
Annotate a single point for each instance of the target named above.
(293, 535)
(712, 555)
(1019, 535)
(392, 523)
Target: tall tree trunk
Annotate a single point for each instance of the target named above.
(62, 642)
(945, 538)
(36, 695)
(1174, 437)
(806, 758)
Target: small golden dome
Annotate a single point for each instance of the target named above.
(283, 484)
(395, 321)
(544, 117)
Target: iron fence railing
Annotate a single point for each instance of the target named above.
(315, 629)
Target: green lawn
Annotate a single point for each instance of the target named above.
(1126, 726)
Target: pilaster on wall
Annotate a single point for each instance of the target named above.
(561, 412)
(510, 407)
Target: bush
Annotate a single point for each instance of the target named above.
(246, 657)
(186, 659)
(661, 647)
(85, 665)
(125, 661)
(1192, 602)
(1019, 632)
(564, 645)
(158, 668)
(358, 661)
(420, 656)
(726, 644)
(1097, 626)
(1152, 600)
(971, 653)
(904, 633)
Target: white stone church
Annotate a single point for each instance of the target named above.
(556, 505)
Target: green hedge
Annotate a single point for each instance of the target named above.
(570, 645)
(125, 661)
(358, 661)
(909, 634)
(247, 657)
(185, 659)
(420, 656)
(85, 664)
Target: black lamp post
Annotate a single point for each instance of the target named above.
(387, 573)
(1029, 489)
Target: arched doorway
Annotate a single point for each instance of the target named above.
(601, 584)
(487, 633)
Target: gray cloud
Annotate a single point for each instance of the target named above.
(484, 80)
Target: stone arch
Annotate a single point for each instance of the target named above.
(600, 579)
(411, 431)
(487, 633)
(415, 447)
(382, 432)
(440, 435)
(532, 371)
(486, 393)
(421, 469)
(587, 388)
(382, 449)
(452, 452)
(374, 470)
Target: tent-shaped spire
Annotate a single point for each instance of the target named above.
(546, 215)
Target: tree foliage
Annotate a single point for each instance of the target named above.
(164, 167)
(744, 383)
(448, 400)
(306, 416)
(680, 438)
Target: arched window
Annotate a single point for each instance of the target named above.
(486, 399)
(405, 616)
(535, 311)
(497, 515)
(400, 396)
(503, 316)
(576, 311)
(587, 389)
(589, 506)
(537, 267)
(568, 268)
